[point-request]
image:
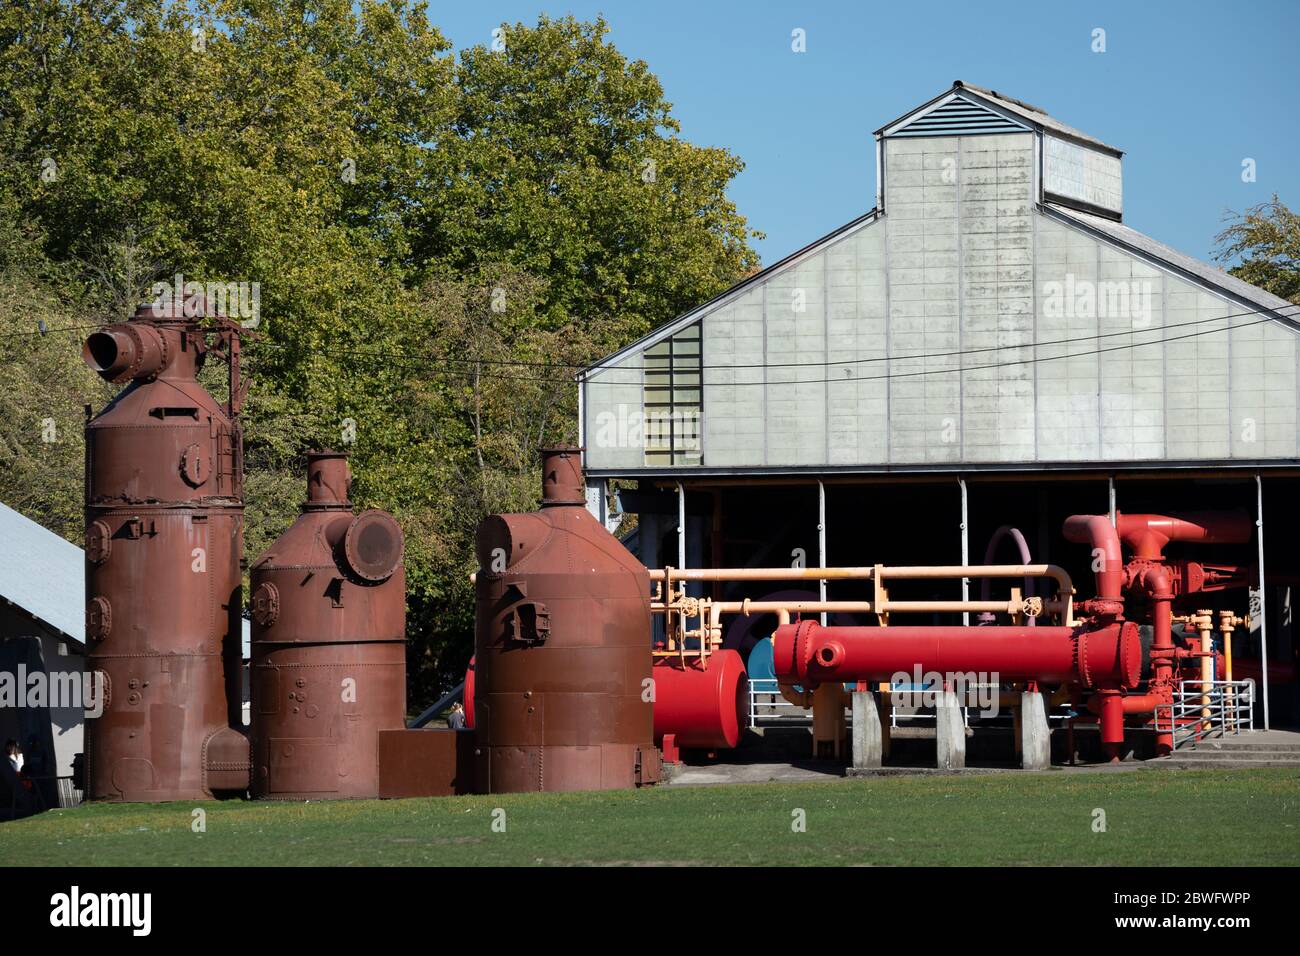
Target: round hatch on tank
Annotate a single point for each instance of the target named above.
(373, 545)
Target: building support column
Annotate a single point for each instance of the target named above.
(965, 549)
(649, 530)
(821, 541)
(597, 502)
(681, 526)
(1263, 593)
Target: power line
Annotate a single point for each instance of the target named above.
(389, 357)
(473, 369)
(565, 366)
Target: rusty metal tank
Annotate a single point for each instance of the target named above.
(164, 536)
(329, 644)
(562, 697)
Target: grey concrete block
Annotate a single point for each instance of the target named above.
(950, 733)
(868, 736)
(1035, 734)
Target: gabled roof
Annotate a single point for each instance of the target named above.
(1194, 269)
(740, 287)
(43, 574)
(1019, 109)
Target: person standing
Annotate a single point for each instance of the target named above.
(14, 754)
(456, 719)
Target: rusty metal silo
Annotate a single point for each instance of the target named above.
(562, 648)
(329, 644)
(164, 535)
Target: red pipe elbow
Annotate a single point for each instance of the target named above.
(1147, 534)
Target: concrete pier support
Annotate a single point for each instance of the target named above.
(1035, 734)
(868, 737)
(949, 733)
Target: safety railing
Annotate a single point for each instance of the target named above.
(1203, 709)
(767, 708)
(69, 795)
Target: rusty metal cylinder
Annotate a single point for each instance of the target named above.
(562, 696)
(164, 536)
(329, 645)
(702, 704)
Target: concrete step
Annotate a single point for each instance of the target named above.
(1232, 746)
(1238, 763)
(1200, 753)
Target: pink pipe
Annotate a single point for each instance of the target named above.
(1096, 530)
(1022, 547)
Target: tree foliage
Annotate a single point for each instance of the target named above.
(1266, 238)
(439, 242)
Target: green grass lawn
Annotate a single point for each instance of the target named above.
(1181, 818)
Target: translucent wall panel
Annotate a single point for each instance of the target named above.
(614, 426)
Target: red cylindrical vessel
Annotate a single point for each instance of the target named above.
(702, 707)
(164, 534)
(329, 645)
(562, 649)
(467, 695)
(809, 654)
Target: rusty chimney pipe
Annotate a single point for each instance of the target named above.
(328, 480)
(562, 482)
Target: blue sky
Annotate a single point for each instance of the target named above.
(1187, 89)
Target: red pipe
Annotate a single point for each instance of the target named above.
(809, 654)
(1108, 562)
(1108, 658)
(1156, 582)
(1133, 703)
(1111, 722)
(1147, 534)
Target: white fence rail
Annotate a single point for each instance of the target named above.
(767, 708)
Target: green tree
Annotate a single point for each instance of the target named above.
(438, 245)
(1266, 240)
(567, 163)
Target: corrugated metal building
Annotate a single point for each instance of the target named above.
(989, 345)
(42, 630)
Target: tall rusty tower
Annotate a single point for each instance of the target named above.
(164, 536)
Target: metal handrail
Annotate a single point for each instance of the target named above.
(765, 702)
(1202, 709)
